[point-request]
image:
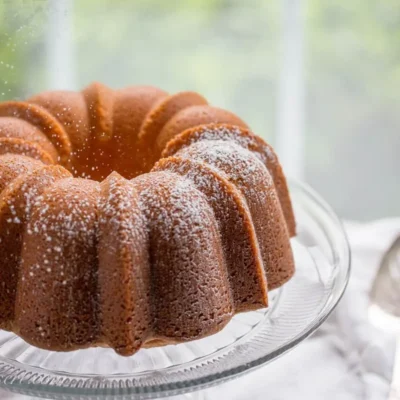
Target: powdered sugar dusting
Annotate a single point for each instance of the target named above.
(59, 251)
(64, 214)
(23, 192)
(239, 165)
(241, 250)
(39, 118)
(250, 176)
(119, 210)
(157, 189)
(124, 269)
(227, 133)
(191, 284)
(24, 147)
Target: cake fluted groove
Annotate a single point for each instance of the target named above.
(71, 111)
(14, 128)
(244, 170)
(12, 145)
(193, 116)
(158, 117)
(248, 140)
(190, 283)
(241, 251)
(132, 104)
(99, 100)
(45, 122)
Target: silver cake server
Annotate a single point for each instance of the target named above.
(384, 310)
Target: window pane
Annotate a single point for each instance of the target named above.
(353, 103)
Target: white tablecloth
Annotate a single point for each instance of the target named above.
(346, 359)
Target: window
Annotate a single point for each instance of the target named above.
(318, 80)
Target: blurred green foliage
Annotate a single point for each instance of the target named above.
(353, 123)
(20, 26)
(227, 50)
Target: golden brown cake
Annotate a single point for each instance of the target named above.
(133, 218)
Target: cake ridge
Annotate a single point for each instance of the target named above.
(245, 138)
(248, 174)
(226, 200)
(196, 115)
(24, 147)
(46, 122)
(185, 233)
(122, 228)
(16, 202)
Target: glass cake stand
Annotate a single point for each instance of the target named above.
(249, 341)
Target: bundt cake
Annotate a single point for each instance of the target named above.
(133, 218)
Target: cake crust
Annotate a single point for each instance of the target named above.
(134, 218)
